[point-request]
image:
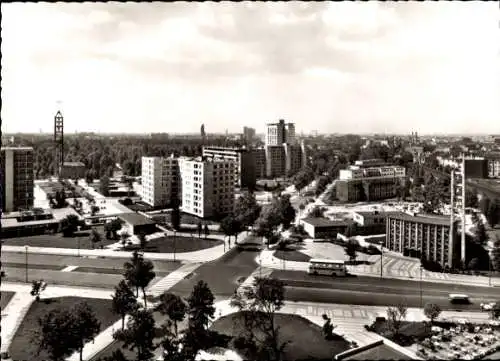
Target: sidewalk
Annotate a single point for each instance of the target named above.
(270, 261)
(205, 255)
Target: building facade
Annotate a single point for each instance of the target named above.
(207, 186)
(73, 170)
(17, 179)
(493, 161)
(160, 180)
(476, 168)
(421, 235)
(245, 170)
(248, 135)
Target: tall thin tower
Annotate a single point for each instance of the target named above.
(58, 142)
(458, 204)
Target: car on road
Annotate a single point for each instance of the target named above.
(487, 306)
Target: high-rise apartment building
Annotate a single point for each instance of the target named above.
(276, 133)
(245, 175)
(17, 178)
(160, 180)
(207, 186)
(248, 135)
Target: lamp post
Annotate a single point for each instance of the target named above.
(175, 243)
(421, 299)
(26, 263)
(489, 271)
(381, 257)
(78, 241)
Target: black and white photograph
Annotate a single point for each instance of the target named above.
(280, 180)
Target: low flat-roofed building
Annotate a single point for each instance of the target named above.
(324, 227)
(135, 223)
(370, 222)
(73, 170)
(378, 350)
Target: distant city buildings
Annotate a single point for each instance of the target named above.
(248, 135)
(493, 161)
(17, 178)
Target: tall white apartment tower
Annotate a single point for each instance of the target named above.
(276, 133)
(207, 186)
(160, 180)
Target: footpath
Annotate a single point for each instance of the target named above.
(268, 260)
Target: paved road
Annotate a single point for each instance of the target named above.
(223, 275)
(378, 292)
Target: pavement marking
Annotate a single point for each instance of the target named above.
(69, 268)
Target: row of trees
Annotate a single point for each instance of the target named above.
(280, 213)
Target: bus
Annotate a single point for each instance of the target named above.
(457, 298)
(327, 267)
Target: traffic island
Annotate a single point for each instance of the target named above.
(291, 255)
(306, 339)
(180, 244)
(24, 347)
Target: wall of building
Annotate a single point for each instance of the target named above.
(476, 168)
(18, 179)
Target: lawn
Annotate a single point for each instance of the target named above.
(23, 347)
(180, 244)
(112, 271)
(79, 240)
(5, 298)
(292, 255)
(306, 339)
(410, 332)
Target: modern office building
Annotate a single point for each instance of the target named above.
(248, 135)
(245, 170)
(17, 179)
(160, 180)
(421, 235)
(370, 183)
(493, 161)
(207, 186)
(73, 170)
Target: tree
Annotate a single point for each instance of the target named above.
(139, 334)
(493, 213)
(54, 334)
(395, 316)
(247, 209)
(484, 205)
(69, 225)
(37, 288)
(95, 237)
(176, 218)
(231, 226)
(473, 263)
(287, 210)
(495, 310)
(124, 301)
(351, 249)
(174, 307)
(112, 228)
(85, 326)
(60, 199)
(495, 255)
(142, 240)
(317, 212)
(117, 355)
(480, 235)
(94, 210)
(206, 231)
(124, 236)
(200, 229)
(104, 186)
(139, 273)
(260, 304)
(432, 311)
(471, 198)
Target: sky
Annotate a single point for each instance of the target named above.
(331, 67)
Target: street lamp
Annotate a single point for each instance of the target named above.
(421, 301)
(78, 241)
(381, 257)
(175, 243)
(26, 263)
(489, 271)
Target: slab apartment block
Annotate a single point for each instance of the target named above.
(17, 179)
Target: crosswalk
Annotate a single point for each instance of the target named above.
(259, 272)
(172, 279)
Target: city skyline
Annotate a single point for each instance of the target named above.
(332, 67)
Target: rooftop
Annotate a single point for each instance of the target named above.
(325, 222)
(421, 218)
(74, 164)
(17, 148)
(376, 351)
(136, 219)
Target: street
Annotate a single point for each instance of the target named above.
(378, 292)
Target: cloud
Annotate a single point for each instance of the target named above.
(326, 65)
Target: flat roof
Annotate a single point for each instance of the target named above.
(324, 222)
(17, 148)
(136, 219)
(376, 351)
(370, 213)
(421, 218)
